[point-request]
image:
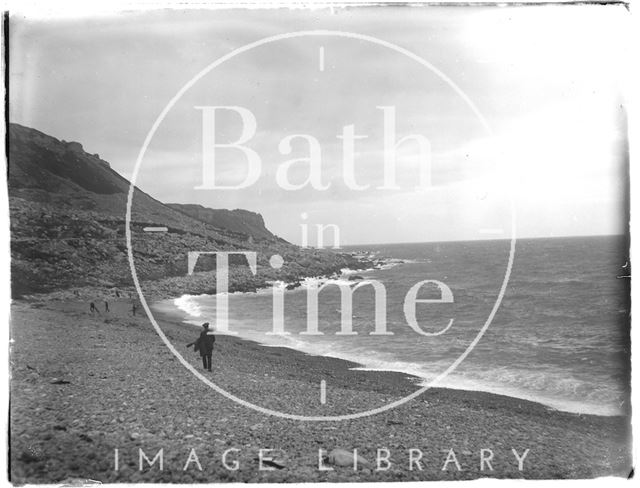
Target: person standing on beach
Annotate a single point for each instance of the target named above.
(93, 309)
(106, 306)
(204, 345)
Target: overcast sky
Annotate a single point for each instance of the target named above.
(548, 81)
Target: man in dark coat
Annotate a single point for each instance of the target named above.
(204, 345)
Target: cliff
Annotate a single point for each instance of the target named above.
(239, 221)
(67, 212)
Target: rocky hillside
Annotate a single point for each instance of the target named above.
(67, 210)
(239, 221)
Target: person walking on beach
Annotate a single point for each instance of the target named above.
(133, 309)
(93, 309)
(106, 306)
(204, 345)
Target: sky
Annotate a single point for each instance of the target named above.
(515, 114)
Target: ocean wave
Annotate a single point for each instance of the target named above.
(555, 390)
(560, 393)
(546, 387)
(308, 283)
(189, 305)
(585, 405)
(349, 271)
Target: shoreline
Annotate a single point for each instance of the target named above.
(416, 381)
(108, 382)
(160, 292)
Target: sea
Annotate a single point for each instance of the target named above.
(559, 335)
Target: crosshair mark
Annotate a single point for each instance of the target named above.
(321, 60)
(323, 392)
(155, 229)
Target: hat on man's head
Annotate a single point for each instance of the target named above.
(205, 325)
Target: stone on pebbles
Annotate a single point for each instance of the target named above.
(277, 462)
(276, 459)
(341, 457)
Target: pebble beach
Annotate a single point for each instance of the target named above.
(98, 396)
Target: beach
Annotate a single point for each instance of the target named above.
(93, 395)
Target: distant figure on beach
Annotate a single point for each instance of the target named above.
(204, 345)
(133, 309)
(106, 306)
(93, 309)
(117, 294)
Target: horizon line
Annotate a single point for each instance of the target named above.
(507, 239)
